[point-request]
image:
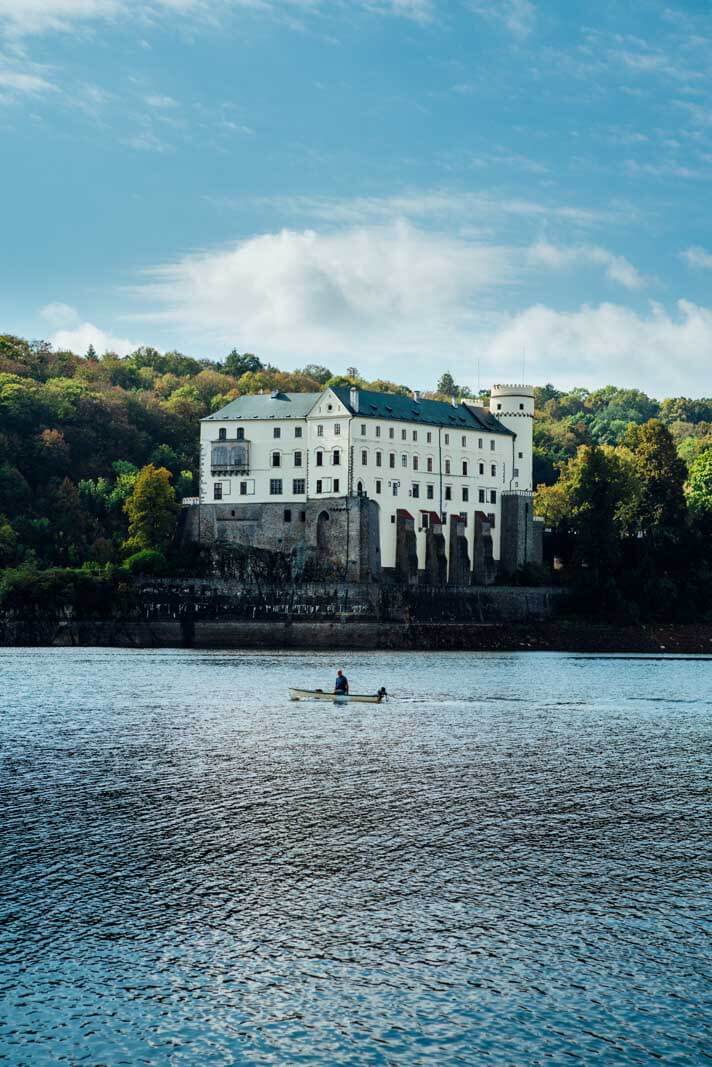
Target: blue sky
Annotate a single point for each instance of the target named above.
(406, 186)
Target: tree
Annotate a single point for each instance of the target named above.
(238, 364)
(698, 488)
(91, 355)
(317, 372)
(446, 385)
(152, 510)
(661, 509)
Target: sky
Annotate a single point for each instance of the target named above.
(505, 189)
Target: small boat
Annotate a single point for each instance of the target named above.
(338, 698)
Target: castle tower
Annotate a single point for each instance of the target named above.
(513, 406)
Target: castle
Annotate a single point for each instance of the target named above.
(367, 486)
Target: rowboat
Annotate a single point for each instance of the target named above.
(337, 698)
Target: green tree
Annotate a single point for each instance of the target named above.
(661, 508)
(317, 372)
(152, 510)
(446, 385)
(698, 488)
(238, 363)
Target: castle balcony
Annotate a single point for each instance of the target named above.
(230, 458)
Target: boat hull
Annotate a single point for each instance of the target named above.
(335, 698)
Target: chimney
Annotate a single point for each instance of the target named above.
(353, 398)
(416, 396)
(453, 401)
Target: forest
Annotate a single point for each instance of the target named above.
(96, 452)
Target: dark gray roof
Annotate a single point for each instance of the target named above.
(266, 406)
(428, 412)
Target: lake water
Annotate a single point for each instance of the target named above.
(508, 863)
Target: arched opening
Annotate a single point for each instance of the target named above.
(359, 488)
(240, 433)
(222, 434)
(322, 529)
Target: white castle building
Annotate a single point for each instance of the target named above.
(427, 459)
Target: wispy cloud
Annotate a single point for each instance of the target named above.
(19, 81)
(697, 258)
(617, 268)
(518, 16)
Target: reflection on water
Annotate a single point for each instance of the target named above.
(508, 863)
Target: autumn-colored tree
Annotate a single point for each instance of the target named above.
(152, 510)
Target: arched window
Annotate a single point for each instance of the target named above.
(222, 434)
(240, 433)
(359, 488)
(322, 526)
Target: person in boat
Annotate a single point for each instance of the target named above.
(341, 685)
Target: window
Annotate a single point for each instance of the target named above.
(447, 438)
(493, 470)
(481, 495)
(378, 485)
(276, 431)
(363, 429)
(491, 518)
(302, 516)
(391, 459)
(430, 464)
(424, 517)
(404, 435)
(415, 463)
(320, 430)
(297, 431)
(379, 459)
(447, 466)
(492, 445)
(337, 428)
(222, 434)
(287, 514)
(415, 435)
(515, 472)
(465, 494)
(463, 440)
(520, 455)
(493, 496)
(217, 491)
(429, 437)
(480, 443)
(336, 485)
(416, 490)
(464, 468)
(320, 458)
(364, 457)
(243, 488)
(521, 407)
(430, 491)
(240, 434)
(404, 460)
(298, 486)
(275, 487)
(378, 431)
(391, 432)
(336, 457)
(448, 492)
(499, 407)
(444, 518)
(276, 459)
(319, 485)
(394, 488)
(297, 459)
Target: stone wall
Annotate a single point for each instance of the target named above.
(521, 535)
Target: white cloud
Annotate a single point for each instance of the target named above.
(21, 82)
(39, 16)
(78, 339)
(617, 268)
(660, 352)
(697, 258)
(161, 102)
(59, 316)
(518, 16)
(383, 290)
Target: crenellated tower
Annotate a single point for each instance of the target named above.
(513, 406)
